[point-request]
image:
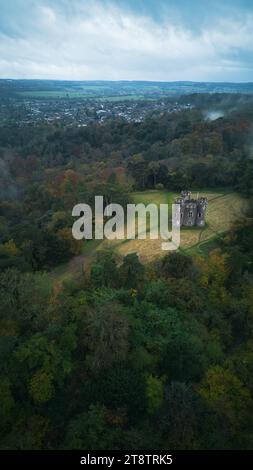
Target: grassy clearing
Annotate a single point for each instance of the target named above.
(204, 248)
(153, 196)
(223, 210)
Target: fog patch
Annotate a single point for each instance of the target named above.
(8, 188)
(213, 115)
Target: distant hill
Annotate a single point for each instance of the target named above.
(98, 89)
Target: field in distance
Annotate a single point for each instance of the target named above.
(114, 90)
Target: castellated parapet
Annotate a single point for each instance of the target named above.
(192, 211)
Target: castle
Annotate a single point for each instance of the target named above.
(192, 211)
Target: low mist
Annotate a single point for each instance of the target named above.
(213, 115)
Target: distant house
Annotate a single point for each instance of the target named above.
(192, 211)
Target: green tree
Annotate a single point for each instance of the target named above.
(155, 394)
(131, 272)
(106, 336)
(104, 271)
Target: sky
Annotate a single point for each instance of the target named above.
(158, 40)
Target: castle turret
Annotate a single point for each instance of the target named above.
(181, 202)
(190, 213)
(201, 211)
(186, 195)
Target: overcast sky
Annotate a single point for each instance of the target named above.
(202, 40)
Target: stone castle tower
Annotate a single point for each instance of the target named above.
(192, 211)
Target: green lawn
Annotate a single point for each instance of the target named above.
(153, 196)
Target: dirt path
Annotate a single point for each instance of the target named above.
(75, 267)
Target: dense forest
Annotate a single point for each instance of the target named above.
(128, 356)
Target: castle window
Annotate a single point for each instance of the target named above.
(199, 214)
(190, 213)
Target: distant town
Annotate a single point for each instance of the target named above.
(78, 112)
(60, 103)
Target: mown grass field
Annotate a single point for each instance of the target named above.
(224, 209)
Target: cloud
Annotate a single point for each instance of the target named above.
(85, 40)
